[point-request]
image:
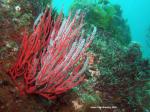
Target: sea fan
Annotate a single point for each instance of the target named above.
(52, 59)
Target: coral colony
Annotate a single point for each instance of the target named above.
(52, 59)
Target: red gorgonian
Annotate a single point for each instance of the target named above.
(52, 59)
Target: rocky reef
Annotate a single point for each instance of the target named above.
(117, 78)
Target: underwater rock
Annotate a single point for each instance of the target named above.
(77, 106)
(134, 52)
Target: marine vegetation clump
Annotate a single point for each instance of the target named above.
(52, 58)
(87, 94)
(106, 17)
(124, 78)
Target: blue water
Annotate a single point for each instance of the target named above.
(58, 4)
(137, 12)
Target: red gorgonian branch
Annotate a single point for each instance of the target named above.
(52, 59)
